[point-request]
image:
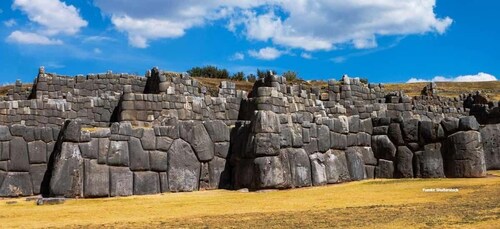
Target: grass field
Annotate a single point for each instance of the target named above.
(375, 203)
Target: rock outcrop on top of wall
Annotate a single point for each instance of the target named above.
(119, 135)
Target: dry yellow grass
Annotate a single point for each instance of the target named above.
(375, 203)
(451, 89)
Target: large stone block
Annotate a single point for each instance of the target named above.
(19, 159)
(450, 125)
(385, 169)
(118, 153)
(37, 152)
(403, 163)
(465, 155)
(158, 161)
(15, 184)
(395, 134)
(383, 147)
(468, 123)
(355, 163)
(318, 169)
(221, 149)
(353, 123)
(139, 158)
(339, 141)
(67, 173)
(196, 135)
(218, 130)
(146, 183)
(265, 122)
(90, 150)
(270, 173)
(266, 144)
(324, 138)
(300, 167)
(163, 143)
(37, 172)
(5, 133)
(429, 163)
(490, 136)
(121, 181)
(183, 167)
(148, 139)
(218, 173)
(336, 167)
(96, 179)
(409, 129)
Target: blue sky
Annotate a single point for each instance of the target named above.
(383, 40)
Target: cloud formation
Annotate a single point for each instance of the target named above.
(309, 25)
(52, 18)
(481, 76)
(268, 53)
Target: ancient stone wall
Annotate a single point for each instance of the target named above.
(118, 135)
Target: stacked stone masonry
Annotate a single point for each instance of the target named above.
(119, 135)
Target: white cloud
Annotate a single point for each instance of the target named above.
(268, 53)
(97, 39)
(31, 38)
(97, 51)
(481, 76)
(54, 16)
(306, 24)
(306, 55)
(237, 56)
(10, 23)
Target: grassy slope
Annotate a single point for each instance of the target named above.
(375, 203)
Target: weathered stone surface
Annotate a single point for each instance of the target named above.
(15, 184)
(118, 153)
(163, 143)
(73, 131)
(383, 147)
(270, 173)
(355, 163)
(366, 126)
(96, 179)
(37, 172)
(103, 150)
(218, 173)
(19, 159)
(339, 141)
(450, 125)
(368, 155)
(158, 161)
(221, 149)
(37, 152)
(404, 163)
(490, 136)
(196, 135)
(409, 129)
(370, 171)
(67, 174)
(429, 163)
(465, 155)
(266, 144)
(148, 140)
(385, 169)
(468, 123)
(146, 183)
(381, 130)
(121, 181)
(300, 167)
(323, 138)
(183, 167)
(218, 130)
(353, 123)
(318, 169)
(428, 131)
(266, 122)
(139, 158)
(395, 134)
(90, 149)
(5, 133)
(164, 182)
(336, 167)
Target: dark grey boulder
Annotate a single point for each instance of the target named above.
(352, 140)
(37, 172)
(148, 140)
(218, 130)
(266, 144)
(265, 122)
(96, 179)
(5, 133)
(490, 136)
(139, 158)
(4, 151)
(163, 143)
(73, 131)
(146, 183)
(19, 159)
(355, 163)
(270, 173)
(465, 155)
(90, 149)
(318, 169)
(15, 184)
(428, 131)
(196, 135)
(370, 171)
(395, 134)
(368, 155)
(450, 125)
(323, 138)
(381, 130)
(218, 174)
(429, 163)
(121, 181)
(118, 153)
(385, 169)
(183, 167)
(286, 137)
(409, 129)
(383, 147)
(403, 163)
(67, 173)
(364, 139)
(37, 152)
(297, 136)
(243, 174)
(336, 167)
(300, 167)
(103, 150)
(353, 123)
(221, 149)
(339, 141)
(366, 126)
(468, 123)
(311, 147)
(158, 161)
(164, 182)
